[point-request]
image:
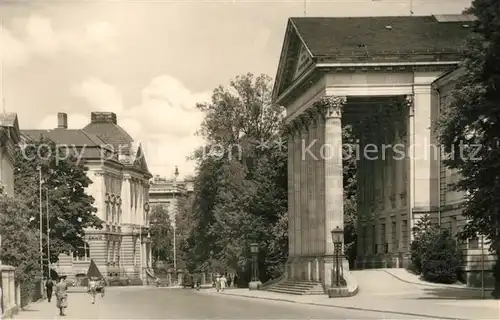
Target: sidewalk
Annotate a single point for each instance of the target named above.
(405, 276)
(78, 305)
(397, 304)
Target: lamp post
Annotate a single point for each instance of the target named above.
(337, 235)
(48, 233)
(174, 185)
(41, 228)
(255, 282)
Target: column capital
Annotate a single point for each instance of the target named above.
(126, 176)
(313, 116)
(331, 106)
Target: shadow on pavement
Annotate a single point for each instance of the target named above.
(453, 294)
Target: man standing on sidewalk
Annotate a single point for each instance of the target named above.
(48, 287)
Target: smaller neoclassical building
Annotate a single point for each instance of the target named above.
(9, 138)
(168, 192)
(120, 188)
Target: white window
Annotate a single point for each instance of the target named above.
(82, 253)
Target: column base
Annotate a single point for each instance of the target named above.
(350, 285)
(254, 285)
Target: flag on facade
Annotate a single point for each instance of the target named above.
(93, 271)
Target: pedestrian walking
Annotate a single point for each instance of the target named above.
(61, 292)
(217, 283)
(223, 282)
(92, 288)
(235, 280)
(229, 281)
(49, 286)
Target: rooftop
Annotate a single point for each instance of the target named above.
(370, 35)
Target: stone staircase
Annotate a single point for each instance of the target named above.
(297, 287)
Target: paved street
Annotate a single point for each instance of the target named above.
(164, 303)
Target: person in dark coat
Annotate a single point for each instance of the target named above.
(49, 286)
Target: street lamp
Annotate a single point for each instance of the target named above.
(174, 185)
(337, 235)
(255, 283)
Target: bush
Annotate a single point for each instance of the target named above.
(441, 260)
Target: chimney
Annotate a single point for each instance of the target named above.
(62, 120)
(103, 117)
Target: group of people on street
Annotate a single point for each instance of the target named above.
(60, 290)
(223, 281)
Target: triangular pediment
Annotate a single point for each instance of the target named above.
(140, 160)
(295, 60)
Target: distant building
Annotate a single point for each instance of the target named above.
(167, 192)
(9, 137)
(120, 188)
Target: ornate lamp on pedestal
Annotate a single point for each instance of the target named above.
(337, 235)
(255, 283)
(338, 288)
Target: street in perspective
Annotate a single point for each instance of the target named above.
(249, 160)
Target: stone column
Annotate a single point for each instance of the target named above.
(320, 178)
(306, 185)
(303, 198)
(291, 201)
(312, 189)
(297, 207)
(411, 160)
(334, 211)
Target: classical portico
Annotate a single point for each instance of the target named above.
(329, 79)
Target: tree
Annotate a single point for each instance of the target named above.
(419, 245)
(441, 257)
(349, 165)
(71, 209)
(162, 233)
(19, 244)
(471, 119)
(240, 190)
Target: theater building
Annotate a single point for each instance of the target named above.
(120, 175)
(387, 78)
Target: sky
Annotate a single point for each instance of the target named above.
(151, 61)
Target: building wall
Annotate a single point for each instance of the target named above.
(6, 172)
(475, 251)
(121, 199)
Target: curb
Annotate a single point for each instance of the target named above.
(435, 285)
(347, 308)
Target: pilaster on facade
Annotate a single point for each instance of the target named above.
(296, 183)
(291, 194)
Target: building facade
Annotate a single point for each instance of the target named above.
(168, 192)
(378, 75)
(120, 176)
(9, 138)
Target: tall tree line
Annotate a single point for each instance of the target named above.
(240, 187)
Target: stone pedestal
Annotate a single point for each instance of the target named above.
(254, 285)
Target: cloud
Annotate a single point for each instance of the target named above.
(165, 122)
(101, 96)
(41, 39)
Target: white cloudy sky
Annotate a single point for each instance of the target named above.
(151, 61)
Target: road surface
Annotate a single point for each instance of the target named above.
(165, 303)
